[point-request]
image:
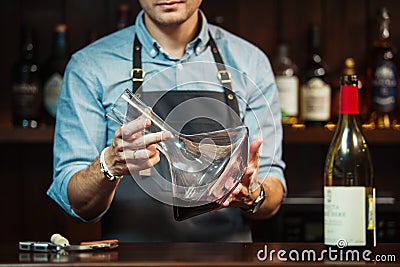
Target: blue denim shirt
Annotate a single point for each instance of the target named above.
(98, 74)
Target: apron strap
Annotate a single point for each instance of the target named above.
(137, 73)
(224, 76)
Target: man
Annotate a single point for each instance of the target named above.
(167, 34)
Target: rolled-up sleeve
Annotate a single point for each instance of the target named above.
(80, 131)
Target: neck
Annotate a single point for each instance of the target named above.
(174, 38)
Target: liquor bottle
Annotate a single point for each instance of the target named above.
(287, 82)
(123, 16)
(27, 87)
(54, 72)
(315, 100)
(349, 194)
(383, 75)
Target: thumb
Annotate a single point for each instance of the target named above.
(254, 153)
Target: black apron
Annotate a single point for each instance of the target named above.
(135, 216)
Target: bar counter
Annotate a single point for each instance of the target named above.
(206, 254)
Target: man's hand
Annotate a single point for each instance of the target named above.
(89, 192)
(131, 150)
(248, 189)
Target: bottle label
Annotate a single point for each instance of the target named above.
(384, 86)
(344, 215)
(288, 88)
(51, 91)
(316, 100)
(26, 100)
(371, 210)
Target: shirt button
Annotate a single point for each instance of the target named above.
(198, 49)
(153, 52)
(179, 66)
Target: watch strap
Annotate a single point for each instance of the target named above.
(104, 169)
(258, 202)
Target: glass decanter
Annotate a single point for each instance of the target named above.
(205, 167)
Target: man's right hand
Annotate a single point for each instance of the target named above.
(131, 150)
(89, 192)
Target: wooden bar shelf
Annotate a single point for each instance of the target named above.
(324, 136)
(290, 135)
(21, 135)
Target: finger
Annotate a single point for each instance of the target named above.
(226, 203)
(254, 154)
(141, 164)
(140, 154)
(237, 190)
(232, 196)
(246, 178)
(135, 126)
(150, 139)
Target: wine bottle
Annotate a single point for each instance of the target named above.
(123, 16)
(287, 82)
(54, 72)
(27, 87)
(349, 193)
(383, 75)
(315, 100)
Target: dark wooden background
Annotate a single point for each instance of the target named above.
(346, 27)
(26, 167)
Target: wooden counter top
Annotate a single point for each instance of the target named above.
(205, 254)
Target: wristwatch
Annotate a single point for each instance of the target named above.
(104, 168)
(257, 203)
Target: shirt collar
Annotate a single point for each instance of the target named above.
(151, 46)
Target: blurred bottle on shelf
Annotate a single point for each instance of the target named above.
(315, 92)
(27, 86)
(54, 72)
(383, 76)
(124, 16)
(287, 81)
(349, 68)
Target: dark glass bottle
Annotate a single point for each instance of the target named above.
(27, 87)
(287, 81)
(349, 193)
(54, 72)
(383, 76)
(124, 16)
(315, 100)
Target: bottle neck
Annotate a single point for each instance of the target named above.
(60, 43)
(27, 45)
(349, 109)
(123, 21)
(384, 30)
(349, 100)
(314, 39)
(123, 17)
(27, 52)
(283, 63)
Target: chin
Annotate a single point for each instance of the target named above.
(171, 19)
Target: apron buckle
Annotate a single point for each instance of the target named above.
(224, 76)
(137, 74)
